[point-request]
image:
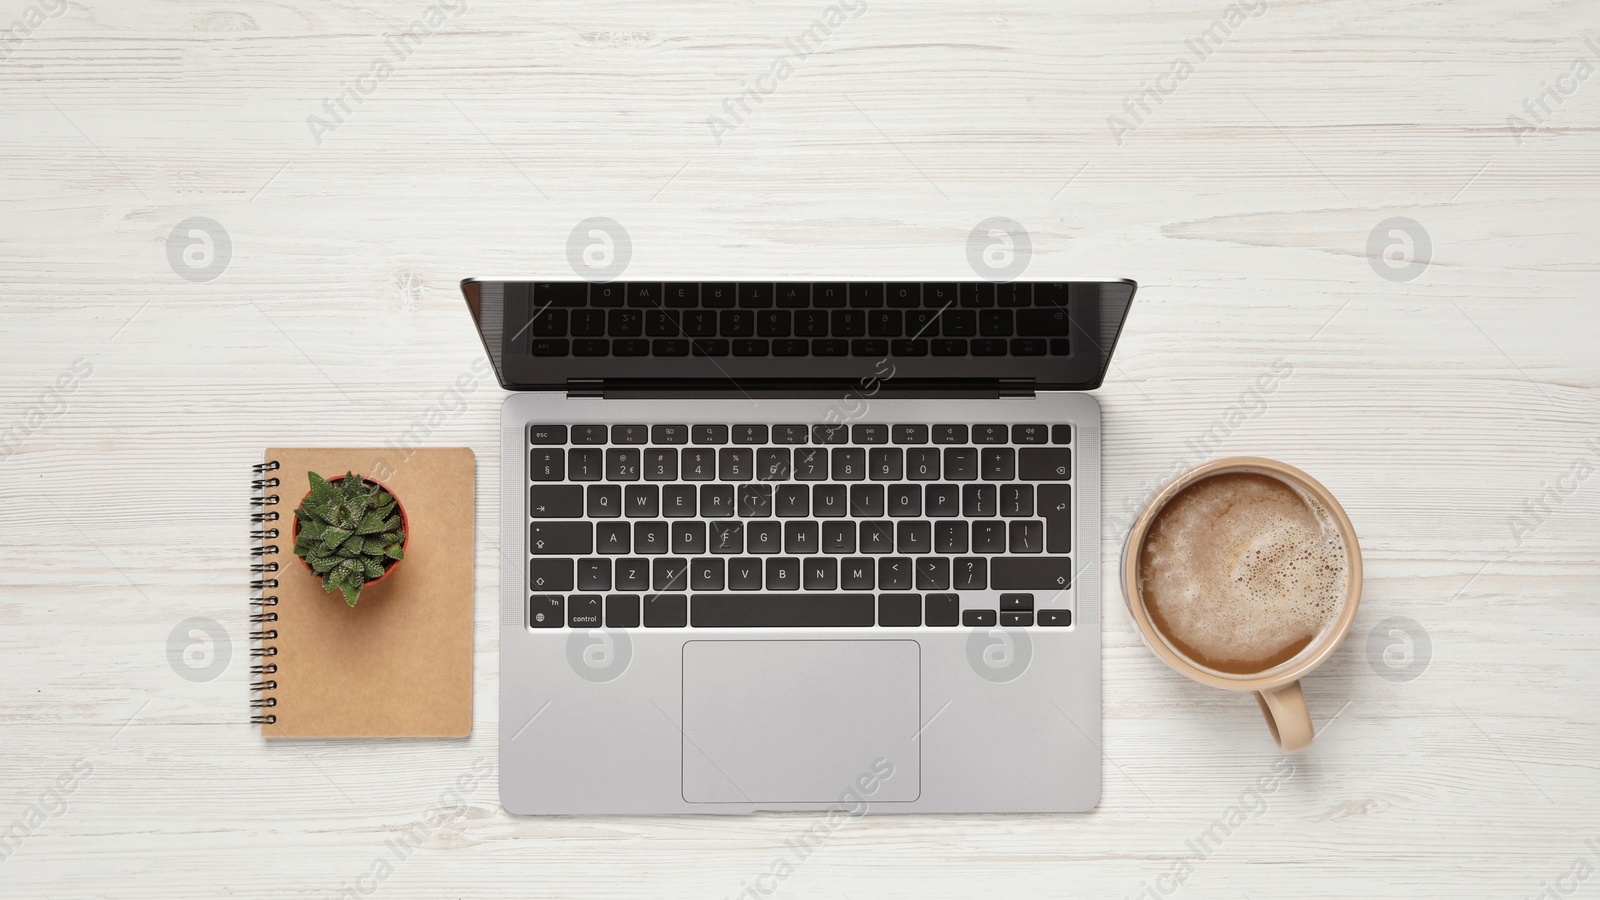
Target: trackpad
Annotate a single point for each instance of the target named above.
(801, 721)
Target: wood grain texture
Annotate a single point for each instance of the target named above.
(1437, 409)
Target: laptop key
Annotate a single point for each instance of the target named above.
(910, 434)
(979, 500)
(622, 464)
(942, 501)
(661, 464)
(1055, 617)
(811, 464)
(950, 537)
(971, 573)
(790, 434)
(866, 500)
(589, 434)
(699, 464)
(869, 434)
(922, 464)
(914, 537)
(933, 573)
(949, 434)
(830, 434)
(1055, 504)
(1045, 464)
(821, 573)
(727, 537)
(688, 538)
(614, 538)
(594, 574)
(801, 537)
(1000, 463)
(650, 537)
(1027, 536)
(622, 611)
(550, 574)
(795, 611)
(755, 500)
(794, 501)
(765, 537)
(642, 501)
(605, 501)
(960, 463)
(555, 501)
(560, 538)
(856, 573)
(1030, 434)
(583, 611)
(1060, 434)
(877, 537)
(829, 501)
(988, 537)
(547, 434)
(1016, 603)
(735, 463)
(633, 574)
(668, 573)
(1016, 500)
(749, 434)
(716, 500)
(894, 573)
(707, 574)
(678, 501)
(849, 463)
(772, 464)
(669, 434)
(585, 464)
(942, 610)
(744, 574)
(839, 537)
(979, 618)
(989, 434)
(886, 464)
(1015, 619)
(547, 611)
(1030, 573)
(905, 500)
(666, 611)
(783, 573)
(709, 434)
(900, 610)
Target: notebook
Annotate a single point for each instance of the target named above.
(398, 663)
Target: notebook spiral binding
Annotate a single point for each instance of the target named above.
(262, 615)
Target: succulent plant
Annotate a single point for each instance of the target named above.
(350, 532)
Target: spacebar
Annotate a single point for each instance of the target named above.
(782, 610)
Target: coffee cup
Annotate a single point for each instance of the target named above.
(1244, 574)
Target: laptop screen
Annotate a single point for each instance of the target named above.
(556, 335)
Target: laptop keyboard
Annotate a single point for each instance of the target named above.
(797, 525)
(793, 319)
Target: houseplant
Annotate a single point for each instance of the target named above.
(350, 531)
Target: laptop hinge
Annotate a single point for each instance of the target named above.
(920, 389)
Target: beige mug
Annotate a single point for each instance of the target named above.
(1277, 689)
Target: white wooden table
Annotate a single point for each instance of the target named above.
(1452, 405)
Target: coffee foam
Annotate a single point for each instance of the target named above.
(1241, 571)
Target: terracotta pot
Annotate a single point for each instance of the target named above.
(405, 525)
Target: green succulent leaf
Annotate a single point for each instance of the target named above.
(322, 564)
(333, 538)
(352, 592)
(372, 523)
(374, 569)
(321, 490)
(393, 551)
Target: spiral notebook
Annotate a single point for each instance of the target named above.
(398, 663)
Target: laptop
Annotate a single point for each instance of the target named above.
(799, 545)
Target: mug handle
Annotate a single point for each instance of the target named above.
(1287, 716)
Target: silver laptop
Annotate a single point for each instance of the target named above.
(799, 545)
